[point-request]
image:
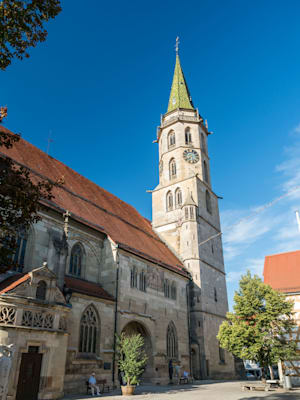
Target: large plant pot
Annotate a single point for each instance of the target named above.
(127, 390)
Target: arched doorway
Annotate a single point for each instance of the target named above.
(132, 328)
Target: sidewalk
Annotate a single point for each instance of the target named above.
(204, 390)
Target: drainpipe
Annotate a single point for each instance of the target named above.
(116, 316)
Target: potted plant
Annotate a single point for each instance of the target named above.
(132, 360)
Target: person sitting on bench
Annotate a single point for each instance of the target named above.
(93, 386)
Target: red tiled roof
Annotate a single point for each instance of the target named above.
(282, 271)
(96, 207)
(12, 282)
(88, 288)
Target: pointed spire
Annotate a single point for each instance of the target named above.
(180, 95)
(189, 201)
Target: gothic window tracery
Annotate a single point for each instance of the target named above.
(133, 277)
(188, 136)
(19, 254)
(169, 201)
(208, 202)
(172, 168)
(171, 139)
(76, 260)
(173, 291)
(89, 331)
(172, 344)
(166, 288)
(178, 198)
(142, 283)
(41, 290)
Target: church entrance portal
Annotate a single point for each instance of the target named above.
(29, 376)
(132, 328)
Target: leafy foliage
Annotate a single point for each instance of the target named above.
(21, 26)
(132, 358)
(20, 194)
(260, 325)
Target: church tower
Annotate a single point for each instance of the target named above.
(185, 215)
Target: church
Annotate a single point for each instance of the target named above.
(93, 267)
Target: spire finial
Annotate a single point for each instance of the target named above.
(177, 45)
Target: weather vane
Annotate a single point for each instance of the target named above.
(177, 45)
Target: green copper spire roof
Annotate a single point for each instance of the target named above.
(180, 95)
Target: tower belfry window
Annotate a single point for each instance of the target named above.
(172, 168)
(208, 202)
(188, 136)
(169, 201)
(171, 139)
(178, 198)
(203, 147)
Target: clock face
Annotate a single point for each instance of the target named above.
(191, 156)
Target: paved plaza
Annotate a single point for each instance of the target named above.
(209, 390)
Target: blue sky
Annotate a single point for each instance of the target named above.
(101, 80)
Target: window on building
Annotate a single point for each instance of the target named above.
(41, 290)
(19, 255)
(172, 168)
(171, 139)
(192, 214)
(169, 201)
(203, 147)
(178, 198)
(89, 331)
(186, 213)
(208, 202)
(172, 344)
(166, 288)
(221, 355)
(188, 136)
(133, 277)
(173, 291)
(215, 295)
(142, 283)
(205, 171)
(76, 260)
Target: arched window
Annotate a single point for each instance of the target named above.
(208, 202)
(178, 198)
(169, 201)
(186, 213)
(172, 168)
(76, 260)
(205, 171)
(142, 283)
(41, 290)
(89, 331)
(133, 278)
(203, 147)
(221, 355)
(172, 344)
(173, 291)
(188, 136)
(19, 255)
(215, 295)
(171, 139)
(166, 288)
(192, 214)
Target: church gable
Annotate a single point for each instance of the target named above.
(40, 284)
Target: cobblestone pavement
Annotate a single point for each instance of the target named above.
(208, 390)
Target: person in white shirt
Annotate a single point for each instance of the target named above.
(93, 386)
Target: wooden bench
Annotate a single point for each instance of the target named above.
(102, 383)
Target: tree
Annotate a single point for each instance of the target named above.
(20, 196)
(131, 357)
(260, 325)
(21, 26)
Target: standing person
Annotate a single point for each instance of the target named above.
(170, 370)
(93, 386)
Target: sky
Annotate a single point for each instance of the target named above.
(100, 82)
